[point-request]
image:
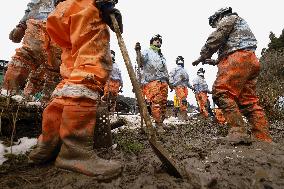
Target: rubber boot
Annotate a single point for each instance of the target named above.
(76, 133)
(183, 116)
(262, 136)
(79, 156)
(49, 142)
(44, 152)
(260, 126)
(237, 135)
(160, 127)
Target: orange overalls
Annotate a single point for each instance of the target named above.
(156, 93)
(111, 90)
(201, 99)
(234, 92)
(181, 93)
(38, 60)
(76, 26)
(219, 116)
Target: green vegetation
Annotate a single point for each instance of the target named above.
(276, 43)
(271, 80)
(127, 141)
(130, 146)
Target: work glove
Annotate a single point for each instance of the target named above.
(58, 1)
(196, 62)
(210, 62)
(190, 86)
(137, 47)
(107, 8)
(17, 34)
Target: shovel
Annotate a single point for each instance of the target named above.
(138, 54)
(162, 154)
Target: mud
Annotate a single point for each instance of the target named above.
(198, 148)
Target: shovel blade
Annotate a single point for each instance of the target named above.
(165, 158)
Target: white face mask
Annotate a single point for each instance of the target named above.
(157, 43)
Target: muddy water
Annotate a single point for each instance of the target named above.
(198, 147)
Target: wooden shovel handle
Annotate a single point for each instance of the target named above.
(135, 84)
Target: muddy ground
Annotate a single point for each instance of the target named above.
(198, 148)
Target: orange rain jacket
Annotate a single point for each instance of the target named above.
(79, 30)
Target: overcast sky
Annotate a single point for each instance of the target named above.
(183, 25)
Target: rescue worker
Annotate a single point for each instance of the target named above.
(114, 85)
(38, 60)
(179, 81)
(155, 79)
(80, 28)
(176, 105)
(201, 90)
(238, 69)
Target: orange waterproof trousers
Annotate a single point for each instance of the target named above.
(181, 93)
(35, 82)
(64, 116)
(234, 91)
(156, 93)
(219, 116)
(111, 90)
(77, 27)
(201, 98)
(37, 52)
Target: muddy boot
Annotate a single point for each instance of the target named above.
(79, 156)
(262, 136)
(237, 135)
(44, 152)
(49, 142)
(77, 135)
(183, 116)
(260, 126)
(160, 128)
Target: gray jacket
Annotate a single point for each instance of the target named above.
(200, 85)
(232, 34)
(39, 9)
(116, 73)
(154, 67)
(179, 77)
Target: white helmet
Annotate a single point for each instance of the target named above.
(216, 15)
